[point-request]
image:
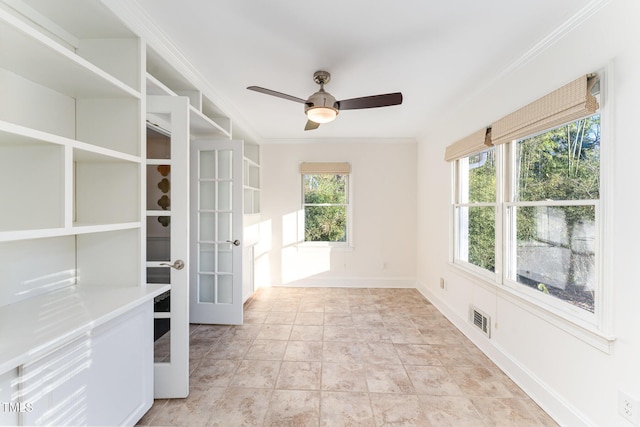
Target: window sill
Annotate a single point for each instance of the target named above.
(314, 246)
(584, 332)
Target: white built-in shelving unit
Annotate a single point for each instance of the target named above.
(75, 313)
(251, 179)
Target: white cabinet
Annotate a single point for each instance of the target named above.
(75, 314)
(82, 382)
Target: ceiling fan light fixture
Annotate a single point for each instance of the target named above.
(322, 114)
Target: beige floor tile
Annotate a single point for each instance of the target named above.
(258, 317)
(432, 380)
(216, 373)
(480, 381)
(294, 409)
(341, 352)
(450, 411)
(256, 374)
(397, 410)
(418, 354)
(379, 352)
(229, 349)
(367, 319)
(299, 376)
(240, 407)
(303, 318)
(304, 351)
(349, 377)
(342, 319)
(193, 410)
(346, 409)
(244, 332)
(343, 357)
(340, 333)
(373, 334)
(404, 335)
(388, 379)
(280, 317)
(505, 412)
(460, 355)
(266, 350)
(307, 333)
(274, 332)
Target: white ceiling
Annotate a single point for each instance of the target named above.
(435, 53)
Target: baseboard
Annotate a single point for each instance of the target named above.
(563, 412)
(351, 282)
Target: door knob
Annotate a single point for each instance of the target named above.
(178, 264)
(235, 242)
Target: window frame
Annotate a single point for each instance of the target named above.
(593, 328)
(348, 204)
(459, 169)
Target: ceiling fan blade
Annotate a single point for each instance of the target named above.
(278, 94)
(311, 125)
(371, 101)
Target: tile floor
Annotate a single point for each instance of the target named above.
(342, 357)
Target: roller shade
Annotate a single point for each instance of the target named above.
(318, 168)
(571, 102)
(474, 143)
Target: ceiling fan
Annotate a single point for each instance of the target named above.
(322, 107)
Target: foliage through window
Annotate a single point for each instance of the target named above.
(553, 214)
(550, 212)
(325, 203)
(475, 210)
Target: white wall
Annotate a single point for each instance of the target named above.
(571, 378)
(383, 187)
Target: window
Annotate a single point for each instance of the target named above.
(325, 201)
(475, 210)
(552, 212)
(527, 211)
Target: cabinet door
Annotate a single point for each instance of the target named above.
(101, 378)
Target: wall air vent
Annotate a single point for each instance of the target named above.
(480, 320)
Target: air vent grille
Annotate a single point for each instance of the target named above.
(481, 321)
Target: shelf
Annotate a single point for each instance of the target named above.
(156, 88)
(77, 229)
(203, 126)
(31, 328)
(200, 124)
(25, 51)
(103, 191)
(16, 135)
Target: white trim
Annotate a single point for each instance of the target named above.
(554, 404)
(604, 264)
(585, 332)
(351, 282)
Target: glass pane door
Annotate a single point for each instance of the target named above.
(216, 229)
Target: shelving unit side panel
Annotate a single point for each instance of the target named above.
(112, 123)
(32, 105)
(106, 193)
(23, 278)
(32, 189)
(119, 57)
(109, 259)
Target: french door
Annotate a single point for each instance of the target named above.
(167, 235)
(216, 232)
